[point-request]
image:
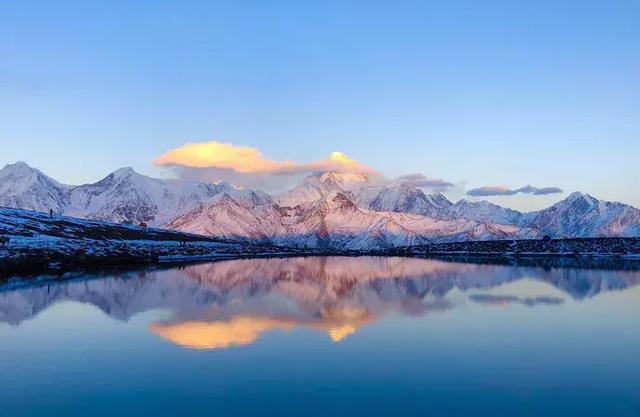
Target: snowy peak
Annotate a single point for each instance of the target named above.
(402, 198)
(579, 201)
(122, 196)
(318, 186)
(21, 172)
(127, 196)
(124, 172)
(129, 175)
(484, 211)
(366, 193)
(22, 186)
(339, 180)
(18, 169)
(581, 215)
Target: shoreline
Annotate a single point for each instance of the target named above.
(41, 262)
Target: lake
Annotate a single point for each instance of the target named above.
(323, 336)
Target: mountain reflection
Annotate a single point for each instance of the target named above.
(232, 303)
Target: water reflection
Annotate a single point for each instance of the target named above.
(233, 303)
(512, 299)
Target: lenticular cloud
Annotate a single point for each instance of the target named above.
(496, 190)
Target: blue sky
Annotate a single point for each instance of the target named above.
(478, 93)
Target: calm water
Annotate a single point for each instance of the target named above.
(323, 337)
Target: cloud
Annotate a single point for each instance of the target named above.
(420, 180)
(243, 330)
(496, 190)
(539, 191)
(490, 190)
(247, 166)
(246, 329)
(250, 161)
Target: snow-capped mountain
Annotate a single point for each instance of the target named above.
(336, 221)
(24, 187)
(372, 194)
(240, 214)
(581, 215)
(403, 198)
(122, 196)
(351, 211)
(125, 195)
(318, 186)
(326, 210)
(333, 221)
(483, 211)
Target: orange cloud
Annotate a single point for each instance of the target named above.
(245, 329)
(248, 160)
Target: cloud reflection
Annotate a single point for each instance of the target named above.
(235, 303)
(512, 299)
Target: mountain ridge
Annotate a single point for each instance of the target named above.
(324, 210)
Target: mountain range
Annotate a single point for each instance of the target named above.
(325, 210)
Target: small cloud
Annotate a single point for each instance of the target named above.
(493, 190)
(539, 191)
(420, 180)
(490, 190)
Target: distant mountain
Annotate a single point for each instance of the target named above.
(24, 187)
(241, 214)
(581, 215)
(484, 211)
(125, 195)
(327, 210)
(333, 221)
(318, 186)
(122, 196)
(336, 221)
(366, 193)
(403, 198)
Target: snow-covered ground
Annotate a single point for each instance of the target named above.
(34, 240)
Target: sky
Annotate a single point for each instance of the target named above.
(489, 96)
